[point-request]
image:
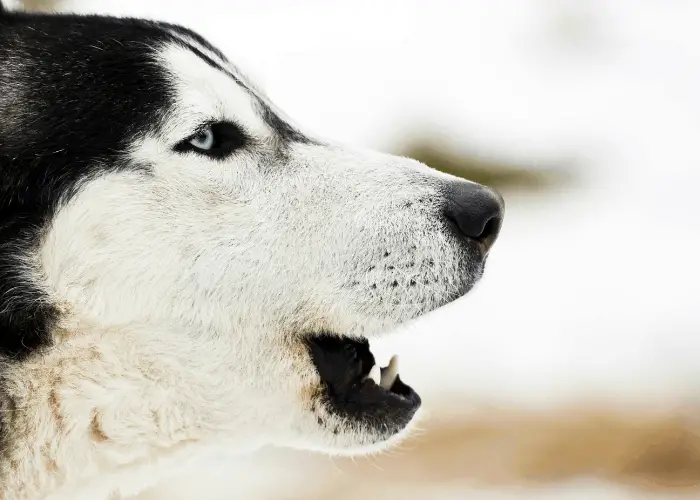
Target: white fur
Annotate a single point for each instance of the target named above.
(206, 93)
(185, 291)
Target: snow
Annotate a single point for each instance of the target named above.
(592, 290)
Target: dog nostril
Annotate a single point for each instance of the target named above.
(474, 211)
(490, 232)
(476, 228)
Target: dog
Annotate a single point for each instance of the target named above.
(184, 269)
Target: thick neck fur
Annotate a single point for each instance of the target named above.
(99, 416)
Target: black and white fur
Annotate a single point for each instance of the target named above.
(158, 298)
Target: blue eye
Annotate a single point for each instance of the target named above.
(215, 140)
(204, 139)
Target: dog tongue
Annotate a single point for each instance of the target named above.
(390, 373)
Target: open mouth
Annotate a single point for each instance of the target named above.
(357, 388)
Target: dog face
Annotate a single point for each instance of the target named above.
(148, 185)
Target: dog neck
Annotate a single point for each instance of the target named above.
(98, 414)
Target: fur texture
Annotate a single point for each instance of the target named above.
(155, 298)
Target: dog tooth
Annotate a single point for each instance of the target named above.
(390, 373)
(375, 374)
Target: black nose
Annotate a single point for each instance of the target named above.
(474, 211)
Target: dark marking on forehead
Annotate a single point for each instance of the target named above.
(284, 130)
(211, 62)
(187, 33)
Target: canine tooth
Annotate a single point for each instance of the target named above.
(390, 373)
(375, 374)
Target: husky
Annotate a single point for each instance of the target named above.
(185, 269)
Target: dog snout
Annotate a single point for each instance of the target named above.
(474, 211)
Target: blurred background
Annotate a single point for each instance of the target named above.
(573, 370)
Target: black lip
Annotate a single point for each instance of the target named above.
(343, 364)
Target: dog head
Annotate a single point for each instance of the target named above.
(147, 182)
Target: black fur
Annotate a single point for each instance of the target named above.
(74, 90)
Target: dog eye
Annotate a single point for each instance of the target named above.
(216, 140)
(204, 139)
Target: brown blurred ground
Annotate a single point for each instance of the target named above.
(652, 453)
